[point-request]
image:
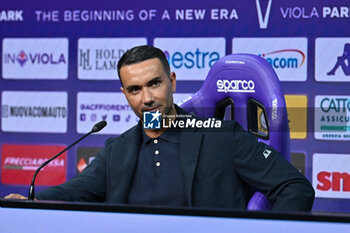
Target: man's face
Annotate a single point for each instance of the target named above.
(147, 87)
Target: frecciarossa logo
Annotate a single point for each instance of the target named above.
(19, 162)
(245, 86)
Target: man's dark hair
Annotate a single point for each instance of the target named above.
(140, 54)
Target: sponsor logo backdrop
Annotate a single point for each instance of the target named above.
(58, 69)
(297, 115)
(19, 162)
(85, 155)
(288, 56)
(35, 58)
(191, 58)
(332, 117)
(332, 56)
(331, 175)
(98, 57)
(30, 111)
(111, 107)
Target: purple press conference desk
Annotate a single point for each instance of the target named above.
(59, 217)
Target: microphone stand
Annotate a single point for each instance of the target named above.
(97, 127)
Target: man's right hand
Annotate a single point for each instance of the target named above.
(15, 196)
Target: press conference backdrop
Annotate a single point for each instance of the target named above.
(58, 77)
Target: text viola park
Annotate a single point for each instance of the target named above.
(315, 12)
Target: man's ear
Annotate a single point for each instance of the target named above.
(173, 81)
(122, 89)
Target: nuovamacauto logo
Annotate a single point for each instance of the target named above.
(332, 117)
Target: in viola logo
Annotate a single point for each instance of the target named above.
(34, 58)
(22, 58)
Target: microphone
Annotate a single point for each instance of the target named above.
(97, 127)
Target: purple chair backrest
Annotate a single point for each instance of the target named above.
(250, 86)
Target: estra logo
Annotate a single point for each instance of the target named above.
(331, 175)
(195, 58)
(191, 58)
(35, 58)
(19, 162)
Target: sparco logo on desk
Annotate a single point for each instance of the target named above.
(235, 86)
